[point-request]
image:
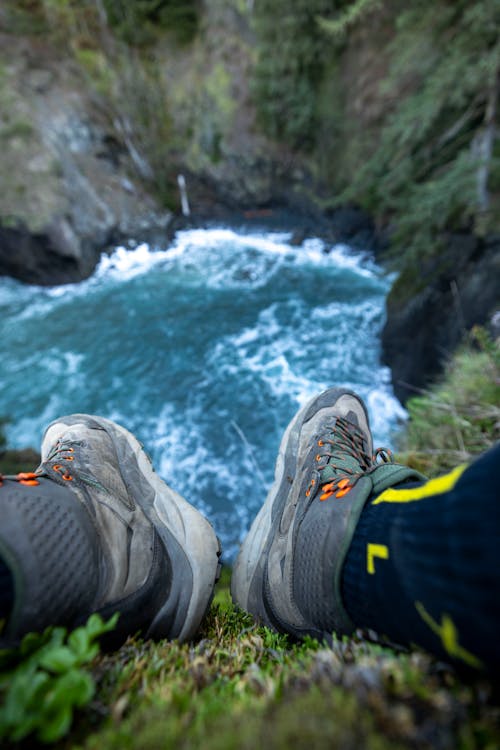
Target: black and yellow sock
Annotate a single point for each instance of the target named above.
(424, 565)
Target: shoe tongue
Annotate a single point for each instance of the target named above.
(338, 466)
(342, 462)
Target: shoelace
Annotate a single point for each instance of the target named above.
(347, 439)
(30, 478)
(64, 452)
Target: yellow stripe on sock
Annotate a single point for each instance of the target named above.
(373, 551)
(448, 634)
(432, 487)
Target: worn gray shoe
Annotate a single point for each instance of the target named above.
(101, 532)
(289, 567)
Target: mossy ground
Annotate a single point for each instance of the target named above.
(459, 417)
(240, 685)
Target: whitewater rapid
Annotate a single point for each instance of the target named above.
(204, 349)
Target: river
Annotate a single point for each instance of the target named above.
(205, 350)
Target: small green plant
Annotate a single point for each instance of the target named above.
(458, 417)
(44, 680)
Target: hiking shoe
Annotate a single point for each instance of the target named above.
(289, 567)
(97, 530)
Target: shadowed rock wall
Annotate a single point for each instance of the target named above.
(430, 310)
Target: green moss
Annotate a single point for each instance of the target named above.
(22, 129)
(239, 686)
(98, 68)
(25, 17)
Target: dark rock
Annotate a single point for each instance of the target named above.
(355, 227)
(57, 255)
(69, 184)
(36, 258)
(430, 309)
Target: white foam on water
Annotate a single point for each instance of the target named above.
(28, 430)
(212, 253)
(384, 408)
(124, 263)
(269, 242)
(272, 353)
(287, 351)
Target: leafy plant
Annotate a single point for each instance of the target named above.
(43, 681)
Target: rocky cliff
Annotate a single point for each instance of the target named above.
(66, 191)
(94, 134)
(430, 309)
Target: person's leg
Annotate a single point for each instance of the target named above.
(317, 547)
(94, 529)
(424, 564)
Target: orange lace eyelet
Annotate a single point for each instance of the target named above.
(69, 458)
(318, 457)
(57, 467)
(320, 443)
(67, 477)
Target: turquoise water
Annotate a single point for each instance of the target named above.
(205, 350)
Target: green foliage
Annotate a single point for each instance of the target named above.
(24, 17)
(42, 682)
(136, 22)
(445, 63)
(144, 123)
(241, 686)
(425, 210)
(21, 129)
(354, 13)
(289, 67)
(132, 94)
(459, 417)
(98, 69)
